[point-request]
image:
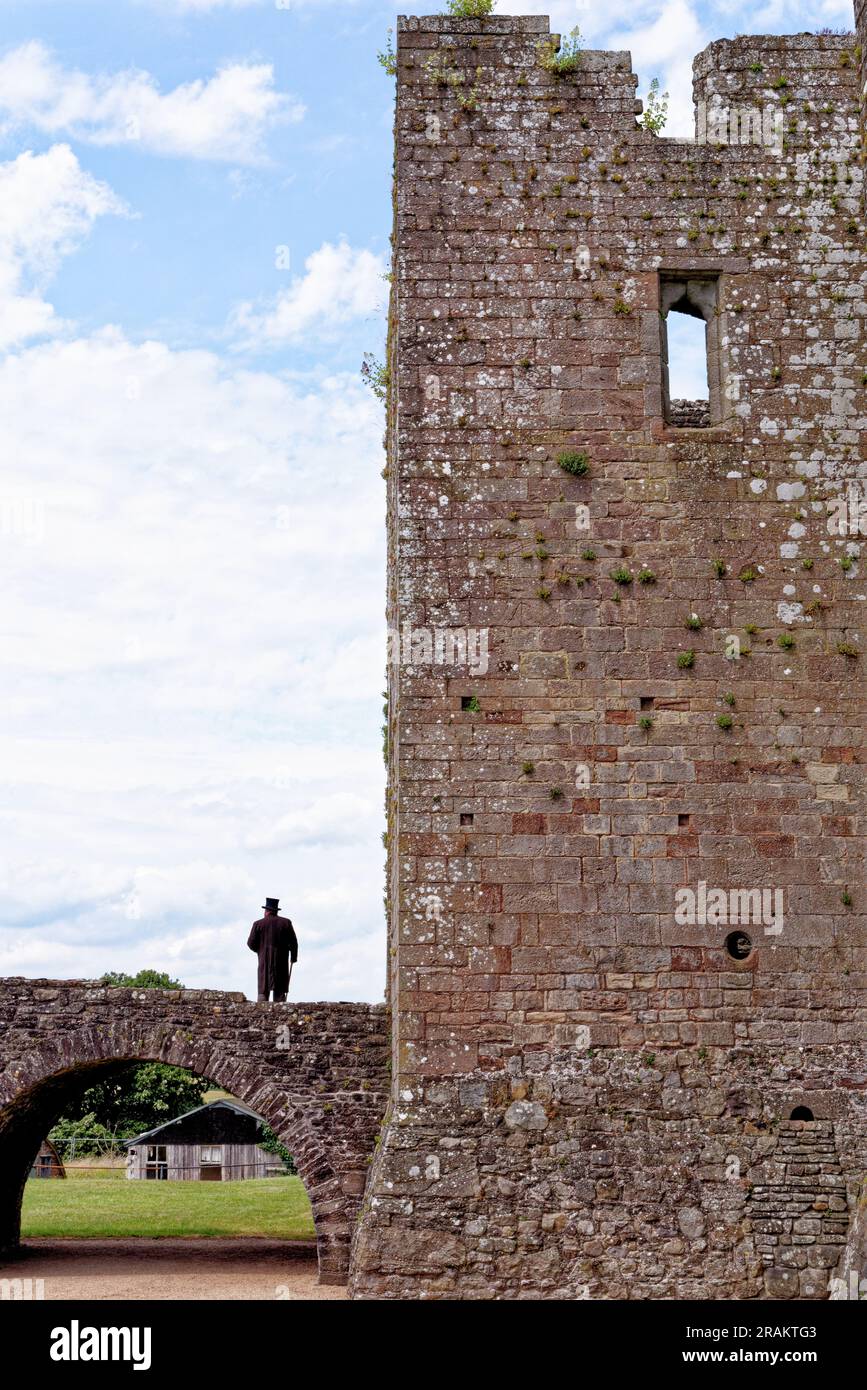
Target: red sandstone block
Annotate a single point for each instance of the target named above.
(837, 825)
(774, 846)
(686, 958)
(681, 847)
(529, 824)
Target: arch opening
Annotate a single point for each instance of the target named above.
(802, 1112)
(26, 1120)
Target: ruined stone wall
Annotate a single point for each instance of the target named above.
(592, 1094)
(861, 29)
(316, 1072)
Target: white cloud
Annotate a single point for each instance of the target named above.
(666, 47)
(193, 659)
(339, 285)
(48, 204)
(224, 118)
(342, 818)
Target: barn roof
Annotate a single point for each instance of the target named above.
(46, 1147)
(233, 1105)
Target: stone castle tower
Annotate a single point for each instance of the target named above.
(626, 911)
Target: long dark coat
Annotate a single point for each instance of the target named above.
(274, 941)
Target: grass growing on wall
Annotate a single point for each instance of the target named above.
(93, 1207)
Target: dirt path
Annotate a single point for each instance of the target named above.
(171, 1269)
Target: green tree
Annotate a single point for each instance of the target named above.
(136, 1097)
(470, 9)
(145, 979)
(271, 1144)
(74, 1138)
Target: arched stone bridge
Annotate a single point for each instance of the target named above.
(318, 1073)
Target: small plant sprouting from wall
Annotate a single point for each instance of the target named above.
(377, 376)
(387, 58)
(646, 576)
(563, 60)
(574, 463)
(694, 623)
(655, 112)
(720, 569)
(846, 649)
(686, 660)
(786, 641)
(445, 76)
(645, 723)
(621, 576)
(528, 769)
(725, 722)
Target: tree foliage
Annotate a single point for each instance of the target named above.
(470, 9)
(138, 1097)
(145, 979)
(133, 1098)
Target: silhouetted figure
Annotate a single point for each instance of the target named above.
(274, 941)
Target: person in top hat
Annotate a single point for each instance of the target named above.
(274, 941)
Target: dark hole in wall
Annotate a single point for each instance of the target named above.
(738, 945)
(683, 821)
(466, 818)
(647, 702)
(802, 1112)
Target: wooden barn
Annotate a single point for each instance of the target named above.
(218, 1142)
(47, 1163)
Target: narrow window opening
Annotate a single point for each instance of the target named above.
(802, 1112)
(647, 702)
(689, 391)
(466, 818)
(683, 822)
(691, 377)
(738, 945)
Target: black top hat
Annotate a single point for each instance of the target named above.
(272, 904)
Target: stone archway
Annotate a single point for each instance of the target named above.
(317, 1075)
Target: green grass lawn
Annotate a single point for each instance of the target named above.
(93, 1207)
(97, 1172)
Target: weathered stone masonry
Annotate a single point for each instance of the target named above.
(590, 1098)
(316, 1072)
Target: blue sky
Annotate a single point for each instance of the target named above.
(194, 220)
